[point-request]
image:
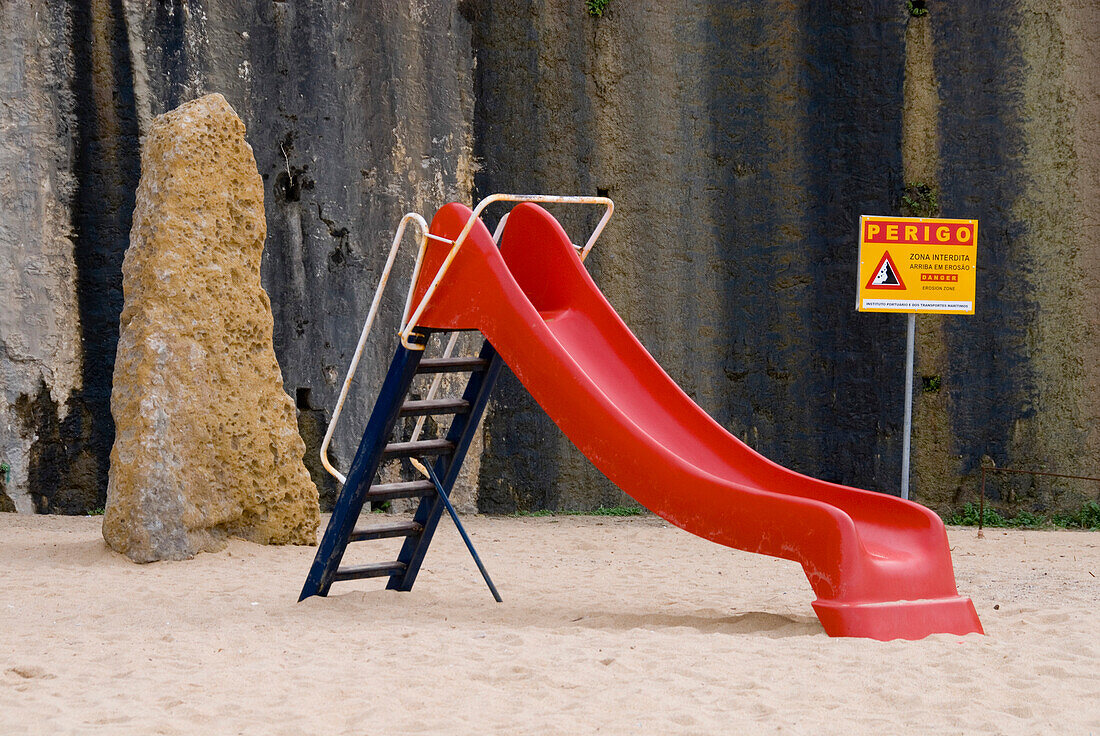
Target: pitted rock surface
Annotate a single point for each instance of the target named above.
(206, 442)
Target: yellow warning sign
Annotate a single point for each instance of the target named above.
(917, 264)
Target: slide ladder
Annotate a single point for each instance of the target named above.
(376, 448)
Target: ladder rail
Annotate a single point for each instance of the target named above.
(361, 474)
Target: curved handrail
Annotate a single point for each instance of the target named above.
(368, 324)
(410, 323)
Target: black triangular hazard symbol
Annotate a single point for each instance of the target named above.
(885, 275)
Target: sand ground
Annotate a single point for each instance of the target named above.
(617, 626)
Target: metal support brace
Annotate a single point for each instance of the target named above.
(462, 530)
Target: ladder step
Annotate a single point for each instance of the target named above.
(451, 365)
(406, 489)
(423, 447)
(434, 406)
(375, 570)
(385, 531)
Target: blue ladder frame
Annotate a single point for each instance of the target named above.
(372, 452)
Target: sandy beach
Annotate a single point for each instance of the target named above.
(616, 626)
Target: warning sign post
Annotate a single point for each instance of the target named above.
(917, 264)
(911, 265)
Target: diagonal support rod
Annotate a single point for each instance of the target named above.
(462, 530)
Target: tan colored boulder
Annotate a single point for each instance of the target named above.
(206, 441)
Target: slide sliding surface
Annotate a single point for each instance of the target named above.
(880, 566)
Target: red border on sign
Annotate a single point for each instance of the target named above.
(892, 287)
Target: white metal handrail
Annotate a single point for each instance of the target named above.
(408, 322)
(369, 323)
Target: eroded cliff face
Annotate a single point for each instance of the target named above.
(1019, 123)
(356, 112)
(40, 340)
(741, 141)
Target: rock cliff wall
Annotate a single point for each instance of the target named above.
(741, 141)
(356, 113)
(41, 351)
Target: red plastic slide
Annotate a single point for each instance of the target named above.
(880, 566)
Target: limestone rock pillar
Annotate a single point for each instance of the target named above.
(206, 440)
